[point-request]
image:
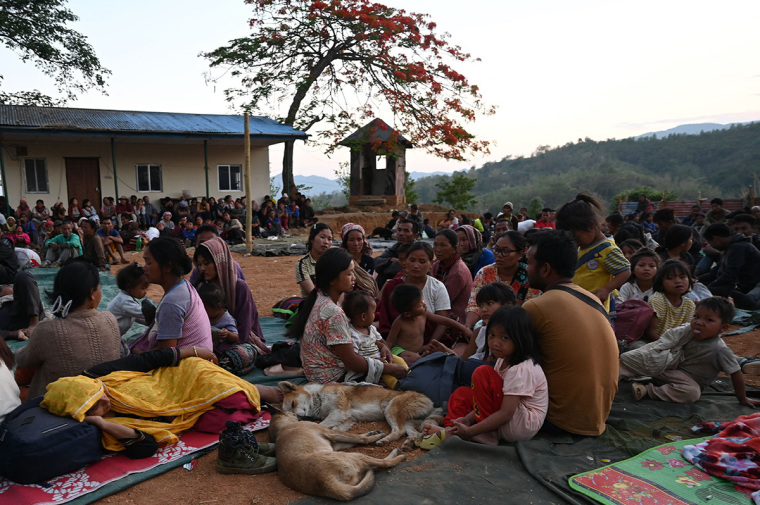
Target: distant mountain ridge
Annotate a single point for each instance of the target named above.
(690, 129)
(321, 184)
(722, 162)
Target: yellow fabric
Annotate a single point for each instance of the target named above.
(183, 393)
(72, 396)
(390, 380)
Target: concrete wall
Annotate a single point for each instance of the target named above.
(181, 166)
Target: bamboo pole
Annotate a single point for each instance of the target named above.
(248, 188)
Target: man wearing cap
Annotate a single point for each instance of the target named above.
(506, 213)
(124, 208)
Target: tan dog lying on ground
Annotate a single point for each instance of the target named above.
(342, 405)
(307, 461)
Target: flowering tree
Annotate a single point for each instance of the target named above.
(340, 61)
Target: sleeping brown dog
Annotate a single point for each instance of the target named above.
(307, 461)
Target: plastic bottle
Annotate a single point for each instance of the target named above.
(138, 244)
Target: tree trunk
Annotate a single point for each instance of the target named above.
(288, 184)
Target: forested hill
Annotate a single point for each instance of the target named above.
(717, 163)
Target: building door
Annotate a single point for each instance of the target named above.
(83, 180)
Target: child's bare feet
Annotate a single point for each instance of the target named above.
(429, 429)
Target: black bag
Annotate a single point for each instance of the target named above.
(437, 375)
(36, 446)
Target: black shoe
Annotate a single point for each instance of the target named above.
(240, 453)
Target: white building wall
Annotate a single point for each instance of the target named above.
(181, 167)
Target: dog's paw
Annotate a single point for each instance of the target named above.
(397, 452)
(383, 441)
(408, 444)
(373, 433)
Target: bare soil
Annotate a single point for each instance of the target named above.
(271, 279)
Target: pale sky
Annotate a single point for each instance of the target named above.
(557, 70)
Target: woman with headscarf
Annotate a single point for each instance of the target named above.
(471, 249)
(354, 242)
(10, 227)
(23, 209)
(215, 264)
(452, 271)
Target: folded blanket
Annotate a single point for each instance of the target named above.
(733, 454)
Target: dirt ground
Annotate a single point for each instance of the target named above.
(271, 279)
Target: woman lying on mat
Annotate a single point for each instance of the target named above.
(137, 410)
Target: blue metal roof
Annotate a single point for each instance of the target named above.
(58, 119)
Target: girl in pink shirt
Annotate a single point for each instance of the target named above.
(507, 402)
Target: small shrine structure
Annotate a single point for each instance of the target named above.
(369, 184)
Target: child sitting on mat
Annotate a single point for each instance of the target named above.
(407, 336)
(507, 402)
(685, 360)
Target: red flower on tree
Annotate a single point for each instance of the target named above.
(342, 61)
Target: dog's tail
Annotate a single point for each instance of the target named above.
(344, 491)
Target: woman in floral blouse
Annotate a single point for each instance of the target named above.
(508, 250)
(327, 352)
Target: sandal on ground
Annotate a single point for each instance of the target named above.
(431, 441)
(639, 391)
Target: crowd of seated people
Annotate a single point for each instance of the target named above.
(525, 300)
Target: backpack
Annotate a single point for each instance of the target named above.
(437, 375)
(36, 446)
(632, 319)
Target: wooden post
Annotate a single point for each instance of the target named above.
(248, 188)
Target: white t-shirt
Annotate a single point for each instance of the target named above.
(435, 295)
(480, 340)
(632, 291)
